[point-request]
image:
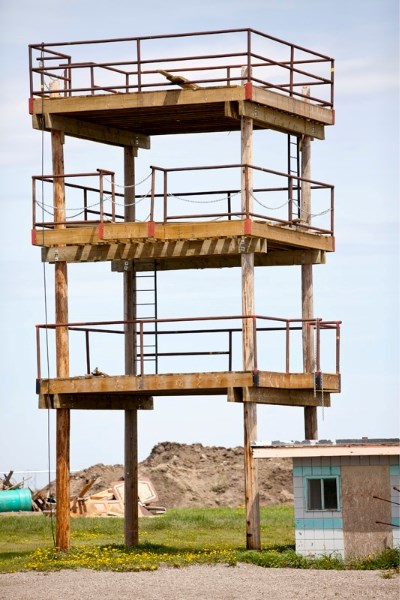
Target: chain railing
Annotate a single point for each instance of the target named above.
(272, 198)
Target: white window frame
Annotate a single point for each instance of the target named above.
(322, 478)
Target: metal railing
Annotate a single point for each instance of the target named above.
(138, 64)
(252, 206)
(275, 198)
(227, 331)
(90, 200)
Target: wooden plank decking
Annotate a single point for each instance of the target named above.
(167, 112)
(184, 245)
(292, 389)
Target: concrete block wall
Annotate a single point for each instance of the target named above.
(321, 532)
(317, 532)
(394, 470)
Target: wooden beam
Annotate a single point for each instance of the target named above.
(284, 234)
(86, 130)
(131, 517)
(71, 236)
(293, 106)
(186, 384)
(93, 401)
(271, 118)
(281, 258)
(123, 233)
(298, 381)
(191, 254)
(252, 497)
(164, 99)
(292, 236)
(168, 384)
(63, 420)
(283, 397)
(160, 98)
(131, 473)
(307, 294)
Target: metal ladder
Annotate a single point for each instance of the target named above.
(146, 309)
(293, 154)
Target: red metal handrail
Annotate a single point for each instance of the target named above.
(291, 179)
(275, 324)
(100, 191)
(167, 194)
(278, 65)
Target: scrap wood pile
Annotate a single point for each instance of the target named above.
(105, 502)
(7, 483)
(111, 501)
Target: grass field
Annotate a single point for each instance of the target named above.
(178, 538)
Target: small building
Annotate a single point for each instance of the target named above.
(346, 494)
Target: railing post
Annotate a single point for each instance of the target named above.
(30, 73)
(85, 211)
(318, 350)
(153, 180)
(141, 344)
(247, 191)
(39, 368)
(165, 196)
(139, 67)
(41, 62)
(287, 347)
(291, 70)
(332, 210)
(68, 90)
(255, 361)
(113, 196)
(101, 196)
(230, 350)
(248, 55)
(34, 202)
(332, 82)
(337, 348)
(92, 80)
(290, 204)
(87, 352)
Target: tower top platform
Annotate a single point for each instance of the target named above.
(121, 91)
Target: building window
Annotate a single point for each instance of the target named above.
(322, 493)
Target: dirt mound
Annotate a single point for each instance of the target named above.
(193, 475)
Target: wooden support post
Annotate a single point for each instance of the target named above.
(307, 302)
(249, 409)
(131, 444)
(63, 423)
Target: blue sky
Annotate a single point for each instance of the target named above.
(359, 284)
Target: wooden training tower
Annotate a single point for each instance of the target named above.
(268, 218)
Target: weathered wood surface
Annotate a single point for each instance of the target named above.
(285, 236)
(63, 420)
(184, 110)
(131, 467)
(96, 401)
(185, 384)
(86, 130)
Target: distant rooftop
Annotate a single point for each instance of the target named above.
(340, 447)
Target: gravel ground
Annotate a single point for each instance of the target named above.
(202, 583)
